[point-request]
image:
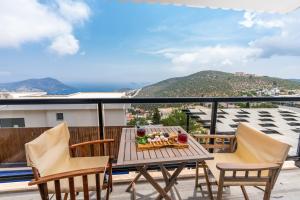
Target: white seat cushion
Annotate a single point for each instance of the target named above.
(77, 164)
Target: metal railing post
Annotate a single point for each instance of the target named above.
(213, 120)
(187, 122)
(100, 120)
(298, 149)
(297, 160)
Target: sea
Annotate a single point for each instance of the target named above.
(105, 87)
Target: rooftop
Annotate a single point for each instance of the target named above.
(44, 95)
(280, 123)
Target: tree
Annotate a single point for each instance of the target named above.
(178, 118)
(138, 121)
(156, 116)
(264, 105)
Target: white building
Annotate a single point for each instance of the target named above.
(165, 112)
(75, 115)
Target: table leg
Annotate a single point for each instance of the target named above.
(158, 188)
(133, 192)
(168, 173)
(135, 180)
(172, 180)
(165, 174)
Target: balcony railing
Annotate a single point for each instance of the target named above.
(13, 139)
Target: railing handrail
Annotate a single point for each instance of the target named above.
(145, 100)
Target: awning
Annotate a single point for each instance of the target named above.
(272, 6)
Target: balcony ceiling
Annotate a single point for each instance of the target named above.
(271, 6)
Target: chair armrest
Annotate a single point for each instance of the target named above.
(69, 174)
(89, 146)
(247, 167)
(105, 141)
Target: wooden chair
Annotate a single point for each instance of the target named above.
(221, 143)
(56, 172)
(256, 160)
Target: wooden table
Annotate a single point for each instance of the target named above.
(129, 156)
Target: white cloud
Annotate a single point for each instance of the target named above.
(24, 21)
(248, 19)
(5, 73)
(285, 38)
(73, 11)
(263, 20)
(277, 38)
(214, 57)
(65, 44)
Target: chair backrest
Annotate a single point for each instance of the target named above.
(49, 150)
(255, 146)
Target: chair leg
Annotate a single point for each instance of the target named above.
(43, 191)
(207, 182)
(197, 174)
(66, 196)
(244, 192)
(220, 191)
(110, 178)
(108, 191)
(268, 189)
(220, 185)
(109, 184)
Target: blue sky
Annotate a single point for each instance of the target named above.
(114, 41)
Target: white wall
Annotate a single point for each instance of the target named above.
(74, 117)
(32, 118)
(116, 117)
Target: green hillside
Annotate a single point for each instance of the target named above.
(214, 83)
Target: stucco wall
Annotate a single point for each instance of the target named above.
(77, 117)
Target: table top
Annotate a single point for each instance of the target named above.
(129, 156)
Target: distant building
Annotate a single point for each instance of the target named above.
(76, 115)
(269, 92)
(165, 112)
(17, 95)
(244, 74)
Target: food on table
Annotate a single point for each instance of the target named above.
(141, 132)
(153, 137)
(156, 140)
(182, 137)
(142, 140)
(166, 135)
(157, 137)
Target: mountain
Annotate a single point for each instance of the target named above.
(297, 80)
(124, 90)
(215, 83)
(49, 85)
